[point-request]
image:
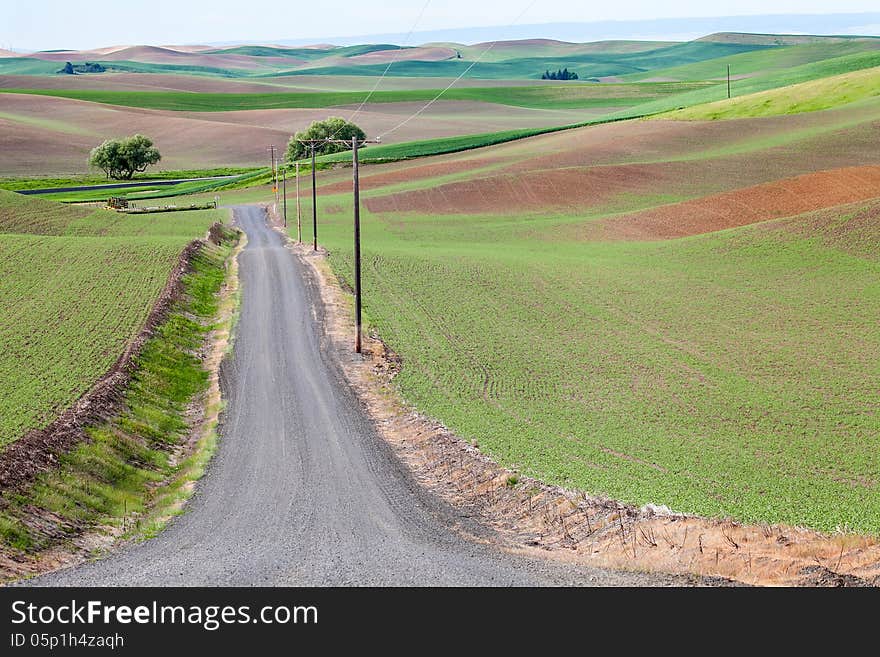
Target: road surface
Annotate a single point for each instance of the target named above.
(301, 490)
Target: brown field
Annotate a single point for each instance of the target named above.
(46, 135)
(156, 55)
(575, 171)
(775, 200)
(138, 82)
(204, 84)
(548, 190)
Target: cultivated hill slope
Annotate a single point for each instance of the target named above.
(810, 96)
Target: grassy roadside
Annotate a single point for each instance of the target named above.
(136, 466)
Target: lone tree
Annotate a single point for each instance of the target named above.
(333, 127)
(120, 159)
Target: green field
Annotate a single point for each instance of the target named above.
(49, 182)
(566, 96)
(761, 61)
(763, 82)
(519, 65)
(812, 96)
(727, 374)
(75, 286)
(526, 61)
(126, 466)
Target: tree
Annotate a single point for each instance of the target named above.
(68, 69)
(120, 159)
(561, 74)
(333, 127)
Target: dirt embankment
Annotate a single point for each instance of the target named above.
(43, 450)
(535, 518)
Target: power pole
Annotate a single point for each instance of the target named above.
(355, 143)
(314, 203)
(313, 143)
(728, 82)
(299, 231)
(271, 150)
(284, 193)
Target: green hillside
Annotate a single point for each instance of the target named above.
(811, 96)
(586, 64)
(762, 61)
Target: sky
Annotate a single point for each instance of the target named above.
(58, 24)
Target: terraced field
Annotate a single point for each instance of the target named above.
(730, 372)
(75, 286)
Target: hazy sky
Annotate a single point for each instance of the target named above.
(55, 24)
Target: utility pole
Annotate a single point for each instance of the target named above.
(355, 143)
(284, 193)
(314, 203)
(728, 82)
(271, 150)
(299, 230)
(313, 143)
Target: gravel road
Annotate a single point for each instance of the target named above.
(302, 491)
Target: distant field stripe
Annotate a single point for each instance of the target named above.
(580, 96)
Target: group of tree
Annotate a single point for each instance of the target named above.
(332, 128)
(120, 159)
(88, 67)
(561, 74)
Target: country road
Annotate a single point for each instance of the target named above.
(302, 491)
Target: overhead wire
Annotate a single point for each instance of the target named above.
(393, 61)
(387, 68)
(456, 80)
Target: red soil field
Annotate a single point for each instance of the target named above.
(783, 198)
(398, 176)
(547, 190)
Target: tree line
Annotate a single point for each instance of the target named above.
(561, 74)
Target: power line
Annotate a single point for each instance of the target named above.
(393, 61)
(455, 81)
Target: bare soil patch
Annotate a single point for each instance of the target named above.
(784, 198)
(551, 189)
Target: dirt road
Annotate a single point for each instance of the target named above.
(302, 491)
